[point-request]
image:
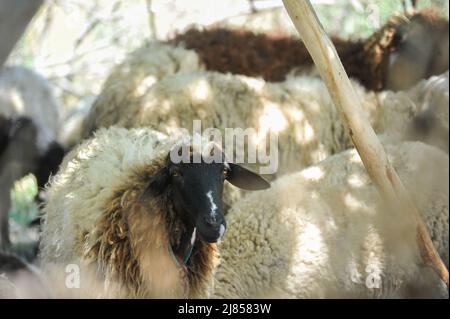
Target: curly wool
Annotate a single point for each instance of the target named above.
(94, 219)
(299, 110)
(321, 232)
(420, 113)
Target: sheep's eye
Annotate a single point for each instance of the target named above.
(177, 173)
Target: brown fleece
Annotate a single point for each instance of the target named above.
(132, 229)
(273, 57)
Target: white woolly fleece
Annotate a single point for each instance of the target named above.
(299, 110)
(428, 98)
(324, 233)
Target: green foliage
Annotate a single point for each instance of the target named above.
(23, 207)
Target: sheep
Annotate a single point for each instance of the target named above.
(26, 93)
(421, 49)
(129, 80)
(323, 232)
(28, 125)
(430, 124)
(222, 101)
(299, 110)
(133, 220)
(409, 47)
(70, 132)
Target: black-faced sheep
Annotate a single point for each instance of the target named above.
(324, 232)
(27, 145)
(408, 48)
(123, 211)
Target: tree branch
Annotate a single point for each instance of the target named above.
(366, 142)
(151, 20)
(14, 18)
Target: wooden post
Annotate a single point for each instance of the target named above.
(14, 18)
(361, 132)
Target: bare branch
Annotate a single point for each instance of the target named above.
(366, 142)
(151, 20)
(14, 18)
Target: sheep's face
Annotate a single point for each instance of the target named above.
(195, 190)
(422, 51)
(197, 195)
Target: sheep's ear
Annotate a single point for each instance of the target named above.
(157, 184)
(243, 178)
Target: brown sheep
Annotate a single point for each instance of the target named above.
(408, 48)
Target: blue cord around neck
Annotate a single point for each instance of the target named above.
(188, 254)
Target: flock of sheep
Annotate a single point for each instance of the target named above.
(135, 224)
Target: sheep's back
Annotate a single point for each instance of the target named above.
(299, 111)
(322, 232)
(420, 113)
(121, 94)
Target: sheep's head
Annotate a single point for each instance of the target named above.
(420, 49)
(195, 190)
(21, 135)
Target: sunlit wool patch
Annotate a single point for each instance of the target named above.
(145, 85)
(273, 119)
(201, 91)
(356, 180)
(313, 173)
(355, 204)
